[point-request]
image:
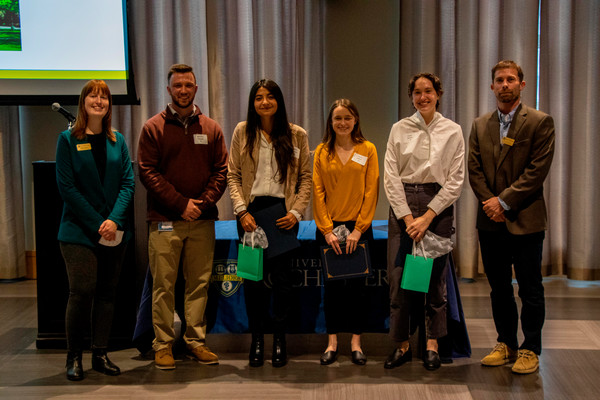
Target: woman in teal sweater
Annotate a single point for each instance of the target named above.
(95, 181)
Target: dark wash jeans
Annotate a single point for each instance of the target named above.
(499, 252)
(409, 308)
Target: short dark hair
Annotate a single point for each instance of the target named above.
(435, 81)
(507, 64)
(179, 69)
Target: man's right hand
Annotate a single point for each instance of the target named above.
(192, 211)
(493, 209)
(499, 218)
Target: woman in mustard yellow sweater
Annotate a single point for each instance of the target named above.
(345, 191)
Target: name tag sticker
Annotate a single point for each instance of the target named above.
(508, 141)
(296, 152)
(166, 226)
(84, 146)
(357, 158)
(200, 138)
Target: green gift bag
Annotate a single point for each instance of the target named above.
(417, 272)
(250, 262)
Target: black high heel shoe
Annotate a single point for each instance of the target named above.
(257, 351)
(102, 364)
(279, 351)
(74, 366)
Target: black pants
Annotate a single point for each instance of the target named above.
(275, 288)
(93, 277)
(344, 301)
(499, 252)
(409, 308)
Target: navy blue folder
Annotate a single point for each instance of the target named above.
(280, 240)
(344, 266)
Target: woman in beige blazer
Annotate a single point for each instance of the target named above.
(269, 163)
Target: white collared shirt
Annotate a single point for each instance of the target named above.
(266, 180)
(420, 153)
(184, 120)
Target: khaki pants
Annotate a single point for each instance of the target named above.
(195, 243)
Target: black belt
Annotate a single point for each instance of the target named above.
(422, 186)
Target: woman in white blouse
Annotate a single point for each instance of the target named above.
(423, 177)
(269, 163)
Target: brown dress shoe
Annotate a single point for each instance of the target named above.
(203, 355)
(163, 359)
(500, 355)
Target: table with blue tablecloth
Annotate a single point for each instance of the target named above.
(226, 311)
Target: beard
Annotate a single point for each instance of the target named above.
(182, 103)
(509, 96)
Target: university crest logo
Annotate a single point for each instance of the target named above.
(224, 277)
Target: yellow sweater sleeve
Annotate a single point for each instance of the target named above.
(371, 196)
(322, 218)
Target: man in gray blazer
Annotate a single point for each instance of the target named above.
(510, 152)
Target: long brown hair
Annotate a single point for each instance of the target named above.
(282, 132)
(93, 86)
(356, 134)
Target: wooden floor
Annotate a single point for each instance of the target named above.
(569, 366)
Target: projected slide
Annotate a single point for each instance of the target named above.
(54, 47)
(10, 26)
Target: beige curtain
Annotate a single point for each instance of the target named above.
(280, 40)
(12, 228)
(230, 44)
(248, 40)
(162, 33)
(569, 88)
(460, 41)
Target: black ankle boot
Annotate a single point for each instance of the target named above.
(279, 350)
(101, 363)
(74, 366)
(257, 351)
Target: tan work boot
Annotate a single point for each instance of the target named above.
(163, 358)
(501, 355)
(203, 355)
(527, 362)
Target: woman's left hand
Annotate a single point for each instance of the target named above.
(352, 241)
(108, 230)
(287, 222)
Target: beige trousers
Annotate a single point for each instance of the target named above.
(193, 243)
